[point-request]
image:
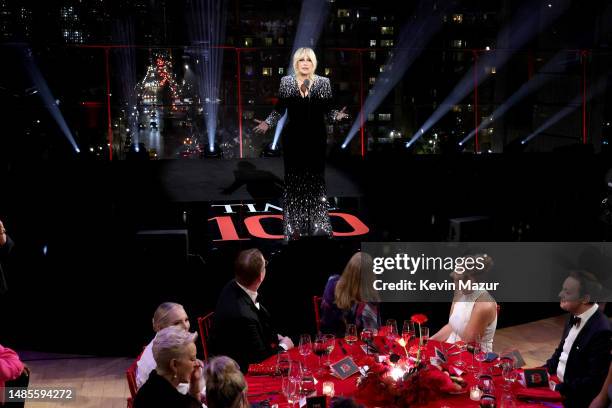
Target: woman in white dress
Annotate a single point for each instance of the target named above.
(473, 315)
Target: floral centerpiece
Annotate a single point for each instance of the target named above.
(405, 381)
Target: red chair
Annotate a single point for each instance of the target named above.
(130, 403)
(205, 327)
(316, 304)
(131, 379)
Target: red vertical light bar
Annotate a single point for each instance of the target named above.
(476, 144)
(108, 105)
(584, 129)
(361, 118)
(238, 68)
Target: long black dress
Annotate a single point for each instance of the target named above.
(304, 141)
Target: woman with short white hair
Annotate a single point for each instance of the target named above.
(167, 314)
(174, 351)
(225, 384)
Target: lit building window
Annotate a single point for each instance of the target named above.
(281, 71)
(343, 13)
(342, 28)
(386, 30)
(372, 43)
(372, 80)
(458, 18)
(248, 69)
(281, 41)
(370, 117)
(373, 18)
(248, 42)
(381, 68)
(384, 117)
(493, 70)
(457, 43)
(327, 71)
(372, 55)
(386, 43)
(266, 71)
(268, 41)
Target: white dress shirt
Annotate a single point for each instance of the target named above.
(571, 338)
(252, 294)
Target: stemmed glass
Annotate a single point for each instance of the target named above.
(408, 331)
(474, 348)
(330, 343)
(460, 349)
(391, 335)
(480, 355)
(367, 336)
(305, 347)
(508, 372)
(320, 348)
(291, 390)
(283, 362)
(350, 337)
(425, 334)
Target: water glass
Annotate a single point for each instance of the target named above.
(408, 330)
(283, 362)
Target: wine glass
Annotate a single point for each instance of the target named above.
(291, 390)
(295, 370)
(485, 383)
(283, 361)
(330, 343)
(487, 401)
(319, 348)
(461, 346)
(367, 336)
(305, 347)
(508, 372)
(480, 355)
(408, 331)
(474, 348)
(350, 336)
(425, 334)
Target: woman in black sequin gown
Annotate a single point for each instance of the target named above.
(307, 98)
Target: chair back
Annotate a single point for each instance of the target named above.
(316, 304)
(130, 374)
(205, 327)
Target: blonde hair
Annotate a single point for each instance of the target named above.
(225, 384)
(161, 317)
(310, 54)
(170, 343)
(355, 284)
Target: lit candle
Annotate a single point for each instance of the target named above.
(328, 389)
(475, 393)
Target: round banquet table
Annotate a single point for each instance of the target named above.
(264, 386)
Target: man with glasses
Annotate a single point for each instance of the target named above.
(242, 327)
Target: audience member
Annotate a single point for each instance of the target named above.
(242, 327)
(604, 398)
(582, 358)
(350, 298)
(473, 314)
(175, 355)
(11, 369)
(225, 384)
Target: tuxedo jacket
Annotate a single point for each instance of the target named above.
(588, 361)
(240, 330)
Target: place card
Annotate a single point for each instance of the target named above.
(345, 368)
(536, 377)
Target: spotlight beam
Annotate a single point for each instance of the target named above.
(412, 40)
(207, 31)
(47, 97)
(553, 66)
(597, 89)
(123, 33)
(526, 23)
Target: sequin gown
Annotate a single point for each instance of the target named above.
(304, 141)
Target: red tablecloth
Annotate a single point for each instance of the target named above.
(269, 387)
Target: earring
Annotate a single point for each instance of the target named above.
(174, 377)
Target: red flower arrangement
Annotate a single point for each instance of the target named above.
(419, 318)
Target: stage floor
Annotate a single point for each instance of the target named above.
(101, 383)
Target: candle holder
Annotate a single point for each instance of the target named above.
(328, 389)
(475, 393)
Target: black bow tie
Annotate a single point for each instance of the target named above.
(575, 321)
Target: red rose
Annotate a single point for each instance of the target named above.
(419, 318)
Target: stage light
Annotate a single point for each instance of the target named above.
(412, 40)
(213, 152)
(270, 151)
(524, 26)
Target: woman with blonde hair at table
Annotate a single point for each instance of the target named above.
(225, 384)
(350, 298)
(174, 351)
(473, 314)
(167, 314)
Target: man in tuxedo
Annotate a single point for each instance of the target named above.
(6, 245)
(242, 327)
(582, 358)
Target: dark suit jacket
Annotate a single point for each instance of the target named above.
(4, 254)
(588, 361)
(157, 392)
(240, 330)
